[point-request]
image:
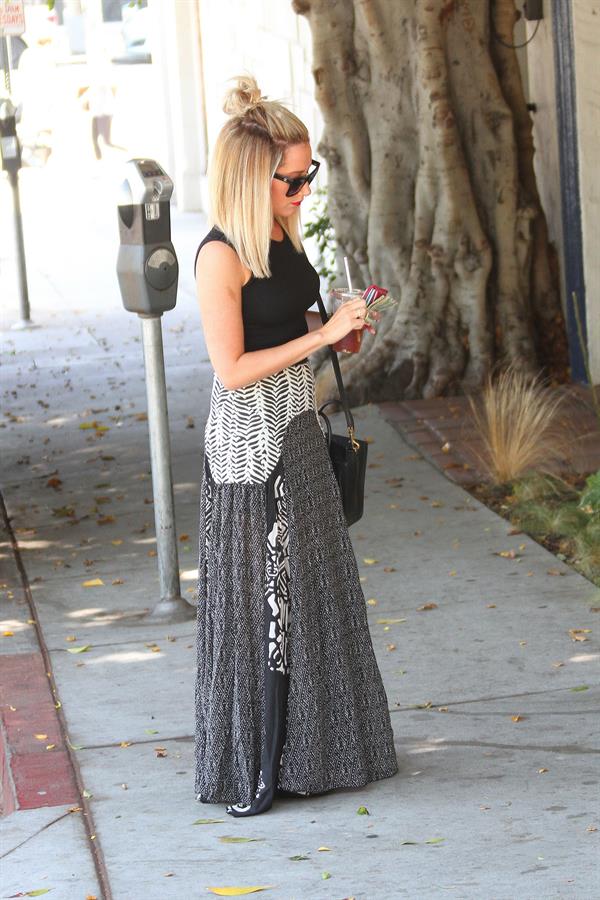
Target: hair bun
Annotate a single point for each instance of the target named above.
(243, 96)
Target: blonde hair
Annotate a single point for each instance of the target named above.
(247, 151)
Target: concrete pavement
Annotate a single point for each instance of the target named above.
(485, 805)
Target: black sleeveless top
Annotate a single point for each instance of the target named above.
(273, 308)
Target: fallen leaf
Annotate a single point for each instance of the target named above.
(93, 582)
(160, 752)
(372, 601)
(370, 562)
(390, 646)
(298, 857)
(41, 737)
(238, 891)
(580, 687)
(507, 554)
(517, 718)
(117, 541)
(427, 606)
(434, 840)
(408, 842)
(234, 839)
(50, 746)
(8, 634)
(87, 794)
(125, 744)
(83, 649)
(578, 634)
(389, 621)
(208, 821)
(362, 811)
(105, 520)
(151, 730)
(325, 875)
(555, 572)
(323, 849)
(71, 637)
(542, 770)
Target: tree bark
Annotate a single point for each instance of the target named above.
(432, 192)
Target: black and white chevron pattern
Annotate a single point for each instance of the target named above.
(245, 427)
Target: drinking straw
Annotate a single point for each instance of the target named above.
(347, 268)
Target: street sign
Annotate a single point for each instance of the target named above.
(12, 17)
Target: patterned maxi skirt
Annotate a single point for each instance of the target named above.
(288, 690)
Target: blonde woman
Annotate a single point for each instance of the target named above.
(289, 698)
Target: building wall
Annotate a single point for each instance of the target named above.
(586, 28)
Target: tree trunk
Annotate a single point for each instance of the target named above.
(432, 192)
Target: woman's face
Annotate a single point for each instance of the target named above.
(296, 161)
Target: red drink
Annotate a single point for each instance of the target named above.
(351, 342)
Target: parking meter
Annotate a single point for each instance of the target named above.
(147, 272)
(147, 267)
(9, 142)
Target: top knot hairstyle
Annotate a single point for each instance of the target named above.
(248, 150)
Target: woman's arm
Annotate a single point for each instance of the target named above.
(314, 321)
(219, 280)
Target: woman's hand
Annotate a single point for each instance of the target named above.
(374, 314)
(348, 316)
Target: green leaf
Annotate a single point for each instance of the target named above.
(325, 875)
(151, 730)
(233, 839)
(581, 687)
(434, 840)
(83, 649)
(362, 811)
(37, 893)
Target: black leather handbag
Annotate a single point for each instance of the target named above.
(348, 453)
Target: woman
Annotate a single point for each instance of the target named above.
(289, 698)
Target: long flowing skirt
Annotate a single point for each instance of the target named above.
(288, 690)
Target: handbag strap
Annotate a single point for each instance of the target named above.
(338, 378)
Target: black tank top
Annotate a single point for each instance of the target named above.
(273, 308)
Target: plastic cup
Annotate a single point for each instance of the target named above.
(351, 342)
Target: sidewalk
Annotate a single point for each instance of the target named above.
(466, 641)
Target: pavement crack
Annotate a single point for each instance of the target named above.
(35, 834)
(561, 748)
(437, 703)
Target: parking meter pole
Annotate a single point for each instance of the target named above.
(171, 606)
(148, 271)
(10, 154)
(25, 313)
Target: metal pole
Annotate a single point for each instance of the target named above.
(172, 607)
(25, 320)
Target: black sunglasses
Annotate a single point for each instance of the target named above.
(296, 184)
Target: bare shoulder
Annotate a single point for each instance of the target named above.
(219, 261)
